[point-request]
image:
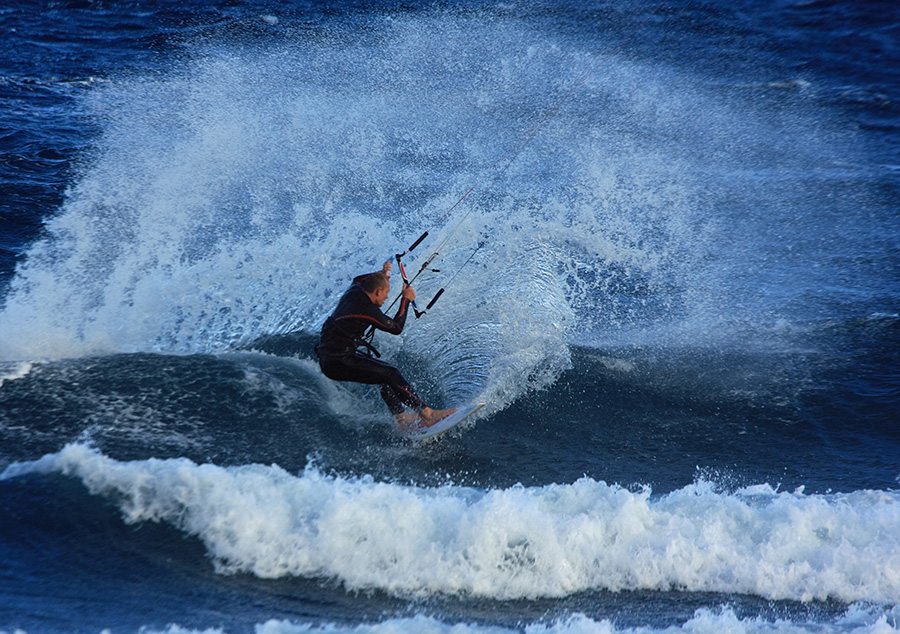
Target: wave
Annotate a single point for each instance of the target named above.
(518, 542)
(858, 620)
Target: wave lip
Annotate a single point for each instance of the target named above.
(521, 542)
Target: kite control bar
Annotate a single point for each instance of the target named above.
(425, 266)
(398, 256)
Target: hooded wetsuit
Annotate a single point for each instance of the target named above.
(342, 334)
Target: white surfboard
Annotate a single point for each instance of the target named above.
(446, 423)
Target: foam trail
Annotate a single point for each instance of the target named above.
(521, 542)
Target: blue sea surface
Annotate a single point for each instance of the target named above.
(684, 316)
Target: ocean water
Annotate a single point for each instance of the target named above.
(684, 317)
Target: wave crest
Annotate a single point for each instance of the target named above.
(520, 542)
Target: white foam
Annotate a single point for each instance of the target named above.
(520, 542)
(858, 620)
(704, 621)
(13, 371)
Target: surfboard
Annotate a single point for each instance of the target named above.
(445, 424)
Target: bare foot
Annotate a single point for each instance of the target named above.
(431, 416)
(407, 421)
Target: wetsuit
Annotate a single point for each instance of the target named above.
(342, 335)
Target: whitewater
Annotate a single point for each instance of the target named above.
(521, 542)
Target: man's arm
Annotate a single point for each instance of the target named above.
(395, 325)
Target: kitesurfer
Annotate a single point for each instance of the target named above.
(343, 335)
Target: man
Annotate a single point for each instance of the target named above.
(342, 335)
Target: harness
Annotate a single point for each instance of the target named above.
(358, 341)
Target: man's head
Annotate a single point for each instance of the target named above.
(377, 286)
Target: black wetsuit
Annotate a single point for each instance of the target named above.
(342, 335)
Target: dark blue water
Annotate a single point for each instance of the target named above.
(684, 317)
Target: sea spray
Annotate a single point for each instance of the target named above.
(237, 195)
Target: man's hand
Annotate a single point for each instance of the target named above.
(386, 269)
(409, 293)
